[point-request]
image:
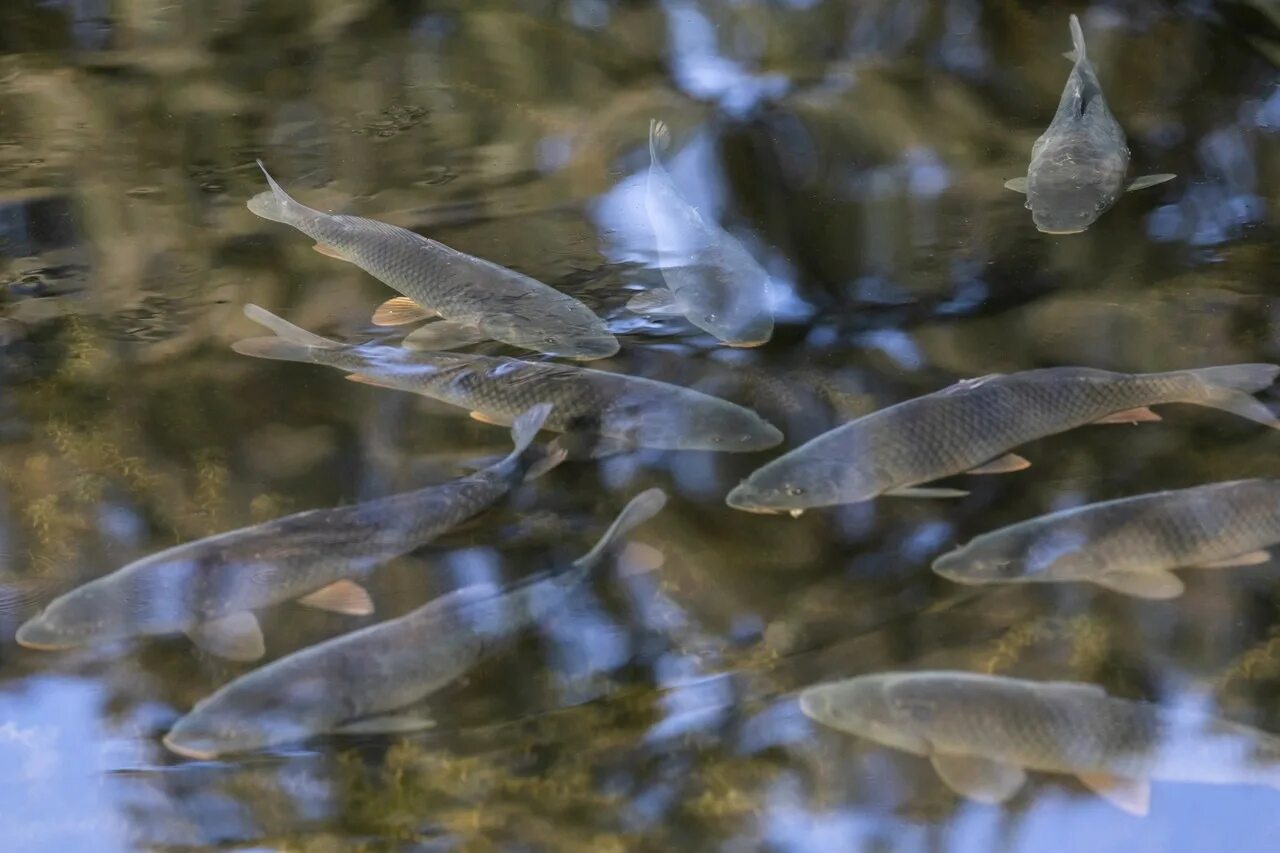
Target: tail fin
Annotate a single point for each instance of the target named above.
(642, 507)
(1230, 388)
(292, 344)
(659, 137)
(1077, 52)
(276, 204)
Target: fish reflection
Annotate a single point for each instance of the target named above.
(711, 279)
(209, 588)
(354, 684)
(625, 412)
(982, 732)
(1078, 164)
(476, 299)
(973, 425)
(1129, 545)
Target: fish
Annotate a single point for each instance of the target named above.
(1129, 545)
(618, 412)
(1078, 164)
(983, 732)
(712, 280)
(357, 683)
(209, 588)
(476, 299)
(972, 425)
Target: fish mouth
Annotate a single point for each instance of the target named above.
(746, 344)
(25, 640)
(738, 501)
(189, 750)
(1060, 232)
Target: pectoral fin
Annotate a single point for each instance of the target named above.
(1018, 185)
(365, 379)
(329, 251)
(1148, 181)
(1140, 415)
(398, 311)
(1132, 795)
(486, 419)
(979, 779)
(638, 558)
(1253, 558)
(344, 596)
(1157, 586)
(444, 335)
(1006, 464)
(660, 300)
(386, 724)
(236, 637)
(913, 492)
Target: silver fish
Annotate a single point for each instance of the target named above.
(711, 279)
(625, 412)
(1078, 164)
(477, 299)
(209, 588)
(356, 682)
(982, 732)
(973, 425)
(1129, 545)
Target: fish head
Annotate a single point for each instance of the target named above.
(799, 483)
(866, 706)
(574, 340)
(69, 621)
(254, 713)
(1023, 554)
(1066, 194)
(727, 427)
(974, 564)
(720, 312)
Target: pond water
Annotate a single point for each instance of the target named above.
(857, 151)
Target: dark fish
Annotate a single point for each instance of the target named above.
(356, 682)
(711, 279)
(1078, 164)
(477, 299)
(209, 588)
(1129, 545)
(973, 425)
(983, 732)
(625, 412)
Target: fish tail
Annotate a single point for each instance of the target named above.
(1077, 53)
(642, 507)
(659, 137)
(276, 204)
(292, 343)
(1231, 387)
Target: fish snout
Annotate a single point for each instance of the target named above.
(587, 349)
(38, 636)
(194, 749)
(1060, 232)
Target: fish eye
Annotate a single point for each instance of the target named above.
(716, 439)
(708, 318)
(794, 491)
(549, 340)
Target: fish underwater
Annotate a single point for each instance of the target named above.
(353, 684)
(619, 412)
(1078, 164)
(208, 588)
(476, 300)
(972, 425)
(982, 732)
(712, 280)
(1129, 545)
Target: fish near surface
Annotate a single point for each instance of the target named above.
(1129, 545)
(354, 683)
(712, 280)
(973, 425)
(208, 588)
(1078, 164)
(625, 412)
(982, 732)
(477, 299)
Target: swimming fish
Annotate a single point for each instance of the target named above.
(208, 588)
(625, 412)
(1078, 164)
(355, 683)
(982, 732)
(711, 279)
(973, 425)
(1129, 545)
(475, 298)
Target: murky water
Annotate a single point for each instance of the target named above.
(858, 151)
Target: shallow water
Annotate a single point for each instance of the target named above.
(858, 150)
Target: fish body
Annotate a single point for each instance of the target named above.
(1129, 545)
(208, 588)
(351, 681)
(491, 300)
(978, 421)
(626, 411)
(982, 732)
(1078, 164)
(712, 280)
